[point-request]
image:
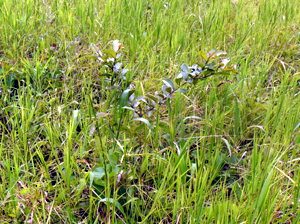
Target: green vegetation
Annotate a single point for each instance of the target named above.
(99, 131)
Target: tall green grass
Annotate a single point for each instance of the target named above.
(60, 162)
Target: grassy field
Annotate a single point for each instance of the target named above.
(73, 149)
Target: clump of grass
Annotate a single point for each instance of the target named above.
(225, 151)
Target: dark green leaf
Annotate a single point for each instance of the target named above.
(96, 175)
(208, 72)
(166, 89)
(178, 80)
(169, 83)
(159, 94)
(195, 81)
(154, 98)
(201, 65)
(125, 95)
(212, 65)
